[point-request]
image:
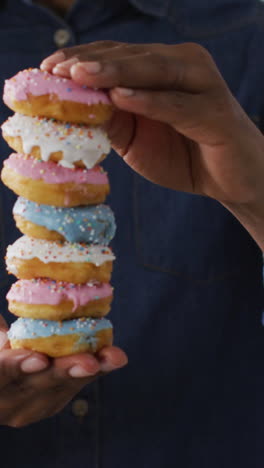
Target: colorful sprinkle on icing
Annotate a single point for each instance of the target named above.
(52, 173)
(88, 224)
(26, 328)
(76, 142)
(39, 83)
(27, 248)
(46, 291)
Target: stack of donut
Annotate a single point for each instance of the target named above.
(62, 262)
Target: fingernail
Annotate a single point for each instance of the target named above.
(78, 371)
(90, 67)
(109, 366)
(125, 92)
(65, 64)
(20, 356)
(33, 364)
(3, 339)
(106, 366)
(55, 58)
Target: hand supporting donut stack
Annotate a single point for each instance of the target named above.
(62, 262)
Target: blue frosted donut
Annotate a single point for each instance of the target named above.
(61, 338)
(87, 224)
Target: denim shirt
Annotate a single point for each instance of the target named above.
(188, 285)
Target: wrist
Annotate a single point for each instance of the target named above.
(251, 216)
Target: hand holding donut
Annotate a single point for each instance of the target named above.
(32, 387)
(181, 126)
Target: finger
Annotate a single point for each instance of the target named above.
(63, 68)
(64, 54)
(121, 129)
(4, 342)
(35, 363)
(48, 63)
(112, 358)
(183, 111)
(86, 365)
(3, 324)
(157, 138)
(15, 363)
(77, 366)
(151, 71)
(105, 50)
(10, 365)
(63, 373)
(93, 53)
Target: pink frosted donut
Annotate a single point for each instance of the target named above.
(51, 184)
(38, 93)
(51, 300)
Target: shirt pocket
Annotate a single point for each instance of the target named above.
(187, 235)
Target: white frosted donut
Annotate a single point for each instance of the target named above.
(30, 258)
(49, 139)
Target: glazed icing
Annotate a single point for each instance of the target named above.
(76, 142)
(52, 173)
(88, 224)
(27, 328)
(26, 248)
(39, 83)
(44, 291)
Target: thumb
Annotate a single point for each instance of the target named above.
(4, 343)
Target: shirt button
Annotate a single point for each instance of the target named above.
(80, 408)
(61, 37)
